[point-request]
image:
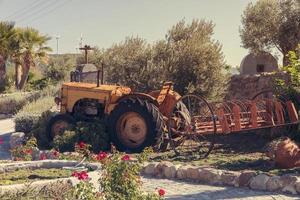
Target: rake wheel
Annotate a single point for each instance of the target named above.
(193, 135)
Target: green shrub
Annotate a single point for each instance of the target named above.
(29, 116)
(37, 84)
(39, 130)
(92, 132)
(291, 90)
(12, 103)
(66, 142)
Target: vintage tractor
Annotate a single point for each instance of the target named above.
(188, 123)
(134, 120)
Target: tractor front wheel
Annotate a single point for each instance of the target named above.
(58, 124)
(135, 124)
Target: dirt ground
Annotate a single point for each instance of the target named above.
(234, 152)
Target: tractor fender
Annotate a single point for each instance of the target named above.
(142, 96)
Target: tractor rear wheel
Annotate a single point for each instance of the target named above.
(135, 124)
(58, 124)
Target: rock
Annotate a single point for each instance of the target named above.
(230, 178)
(210, 175)
(288, 179)
(192, 173)
(289, 189)
(297, 186)
(16, 139)
(289, 183)
(161, 168)
(150, 169)
(286, 154)
(169, 171)
(35, 154)
(245, 178)
(182, 172)
(4, 116)
(259, 182)
(274, 184)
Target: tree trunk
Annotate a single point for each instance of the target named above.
(18, 73)
(285, 60)
(2, 73)
(25, 71)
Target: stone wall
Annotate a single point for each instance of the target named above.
(288, 183)
(246, 86)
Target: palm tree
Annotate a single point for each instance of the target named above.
(7, 46)
(32, 48)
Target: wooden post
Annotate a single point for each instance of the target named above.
(237, 117)
(279, 112)
(269, 112)
(293, 115)
(223, 120)
(253, 112)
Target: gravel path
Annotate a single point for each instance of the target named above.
(7, 126)
(177, 190)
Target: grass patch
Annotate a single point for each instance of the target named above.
(234, 152)
(26, 175)
(29, 115)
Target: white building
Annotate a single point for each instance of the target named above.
(255, 64)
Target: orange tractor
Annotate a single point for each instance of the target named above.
(134, 120)
(188, 123)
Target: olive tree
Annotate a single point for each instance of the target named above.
(187, 56)
(192, 59)
(271, 24)
(128, 63)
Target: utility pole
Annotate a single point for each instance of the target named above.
(86, 49)
(81, 40)
(57, 38)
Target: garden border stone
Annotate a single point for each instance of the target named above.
(289, 183)
(5, 116)
(45, 164)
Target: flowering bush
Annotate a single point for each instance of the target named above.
(84, 190)
(121, 177)
(43, 156)
(101, 156)
(55, 154)
(24, 152)
(83, 149)
(83, 175)
(92, 133)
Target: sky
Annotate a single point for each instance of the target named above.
(105, 22)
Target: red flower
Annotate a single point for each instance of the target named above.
(18, 159)
(81, 145)
(126, 157)
(75, 174)
(55, 153)
(28, 151)
(81, 175)
(161, 192)
(43, 156)
(1, 141)
(101, 156)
